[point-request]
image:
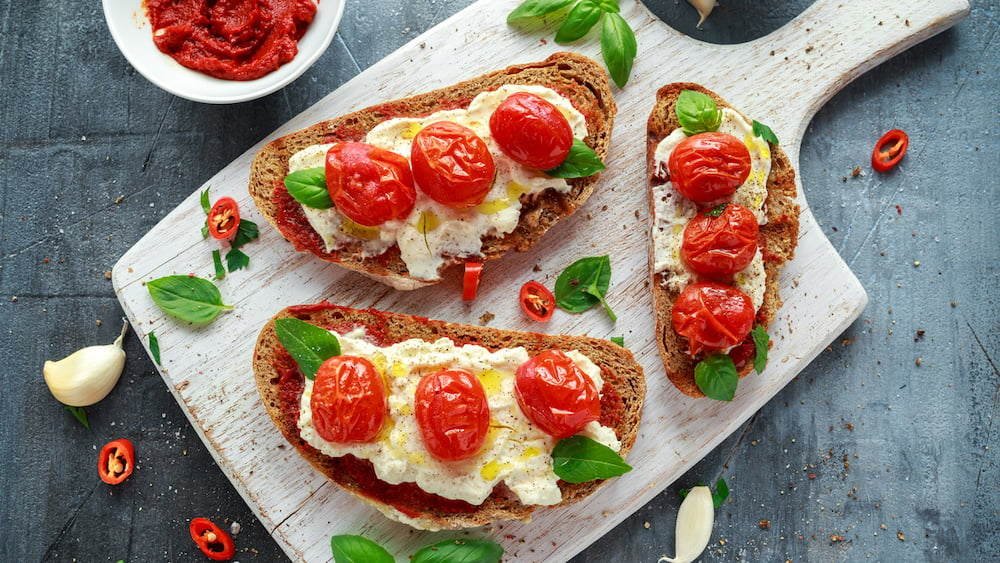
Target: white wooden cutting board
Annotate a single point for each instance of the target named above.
(781, 79)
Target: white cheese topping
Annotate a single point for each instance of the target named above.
(433, 231)
(516, 452)
(672, 211)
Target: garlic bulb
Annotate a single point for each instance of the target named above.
(87, 375)
(695, 519)
(704, 8)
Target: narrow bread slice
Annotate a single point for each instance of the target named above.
(579, 79)
(280, 384)
(777, 240)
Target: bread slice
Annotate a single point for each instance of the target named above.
(777, 240)
(578, 78)
(280, 385)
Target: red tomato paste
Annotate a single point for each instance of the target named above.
(230, 39)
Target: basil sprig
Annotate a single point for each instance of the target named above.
(579, 459)
(697, 112)
(618, 44)
(188, 298)
(458, 551)
(716, 376)
(764, 132)
(308, 187)
(308, 344)
(581, 162)
(761, 341)
(349, 548)
(583, 284)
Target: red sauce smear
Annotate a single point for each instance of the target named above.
(230, 39)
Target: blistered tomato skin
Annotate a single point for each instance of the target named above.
(720, 245)
(452, 414)
(712, 316)
(556, 395)
(452, 165)
(368, 184)
(348, 400)
(531, 131)
(709, 166)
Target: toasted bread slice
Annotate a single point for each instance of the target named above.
(579, 79)
(280, 384)
(777, 241)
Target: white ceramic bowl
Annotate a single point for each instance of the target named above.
(134, 35)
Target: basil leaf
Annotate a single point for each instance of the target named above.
(697, 112)
(349, 548)
(80, 414)
(721, 493)
(308, 187)
(308, 344)
(206, 205)
(536, 8)
(154, 347)
(764, 132)
(583, 285)
(581, 162)
(761, 341)
(618, 47)
(236, 259)
(716, 211)
(610, 6)
(188, 298)
(459, 551)
(579, 21)
(716, 377)
(619, 340)
(220, 271)
(579, 459)
(246, 232)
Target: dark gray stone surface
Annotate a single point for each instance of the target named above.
(883, 449)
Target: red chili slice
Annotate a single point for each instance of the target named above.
(116, 461)
(224, 219)
(212, 540)
(537, 301)
(470, 282)
(889, 150)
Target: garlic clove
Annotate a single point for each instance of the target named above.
(87, 375)
(695, 519)
(704, 8)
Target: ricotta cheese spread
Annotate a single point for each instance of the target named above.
(672, 211)
(516, 452)
(433, 231)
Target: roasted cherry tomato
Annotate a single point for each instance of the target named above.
(470, 281)
(537, 301)
(212, 540)
(348, 401)
(368, 184)
(116, 461)
(889, 150)
(712, 316)
(555, 394)
(452, 414)
(531, 131)
(709, 166)
(452, 165)
(224, 219)
(720, 242)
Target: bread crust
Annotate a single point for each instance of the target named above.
(621, 406)
(578, 78)
(777, 240)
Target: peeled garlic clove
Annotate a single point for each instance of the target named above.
(695, 519)
(87, 375)
(704, 8)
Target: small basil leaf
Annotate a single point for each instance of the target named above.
(154, 347)
(618, 47)
(581, 162)
(308, 344)
(308, 187)
(697, 112)
(459, 551)
(716, 377)
(236, 259)
(349, 548)
(80, 414)
(619, 340)
(579, 459)
(536, 8)
(721, 493)
(764, 132)
(760, 343)
(188, 298)
(220, 270)
(206, 205)
(246, 232)
(579, 21)
(583, 284)
(716, 211)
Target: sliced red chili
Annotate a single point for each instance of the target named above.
(889, 150)
(116, 461)
(470, 282)
(537, 301)
(212, 540)
(224, 219)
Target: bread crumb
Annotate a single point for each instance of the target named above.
(486, 318)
